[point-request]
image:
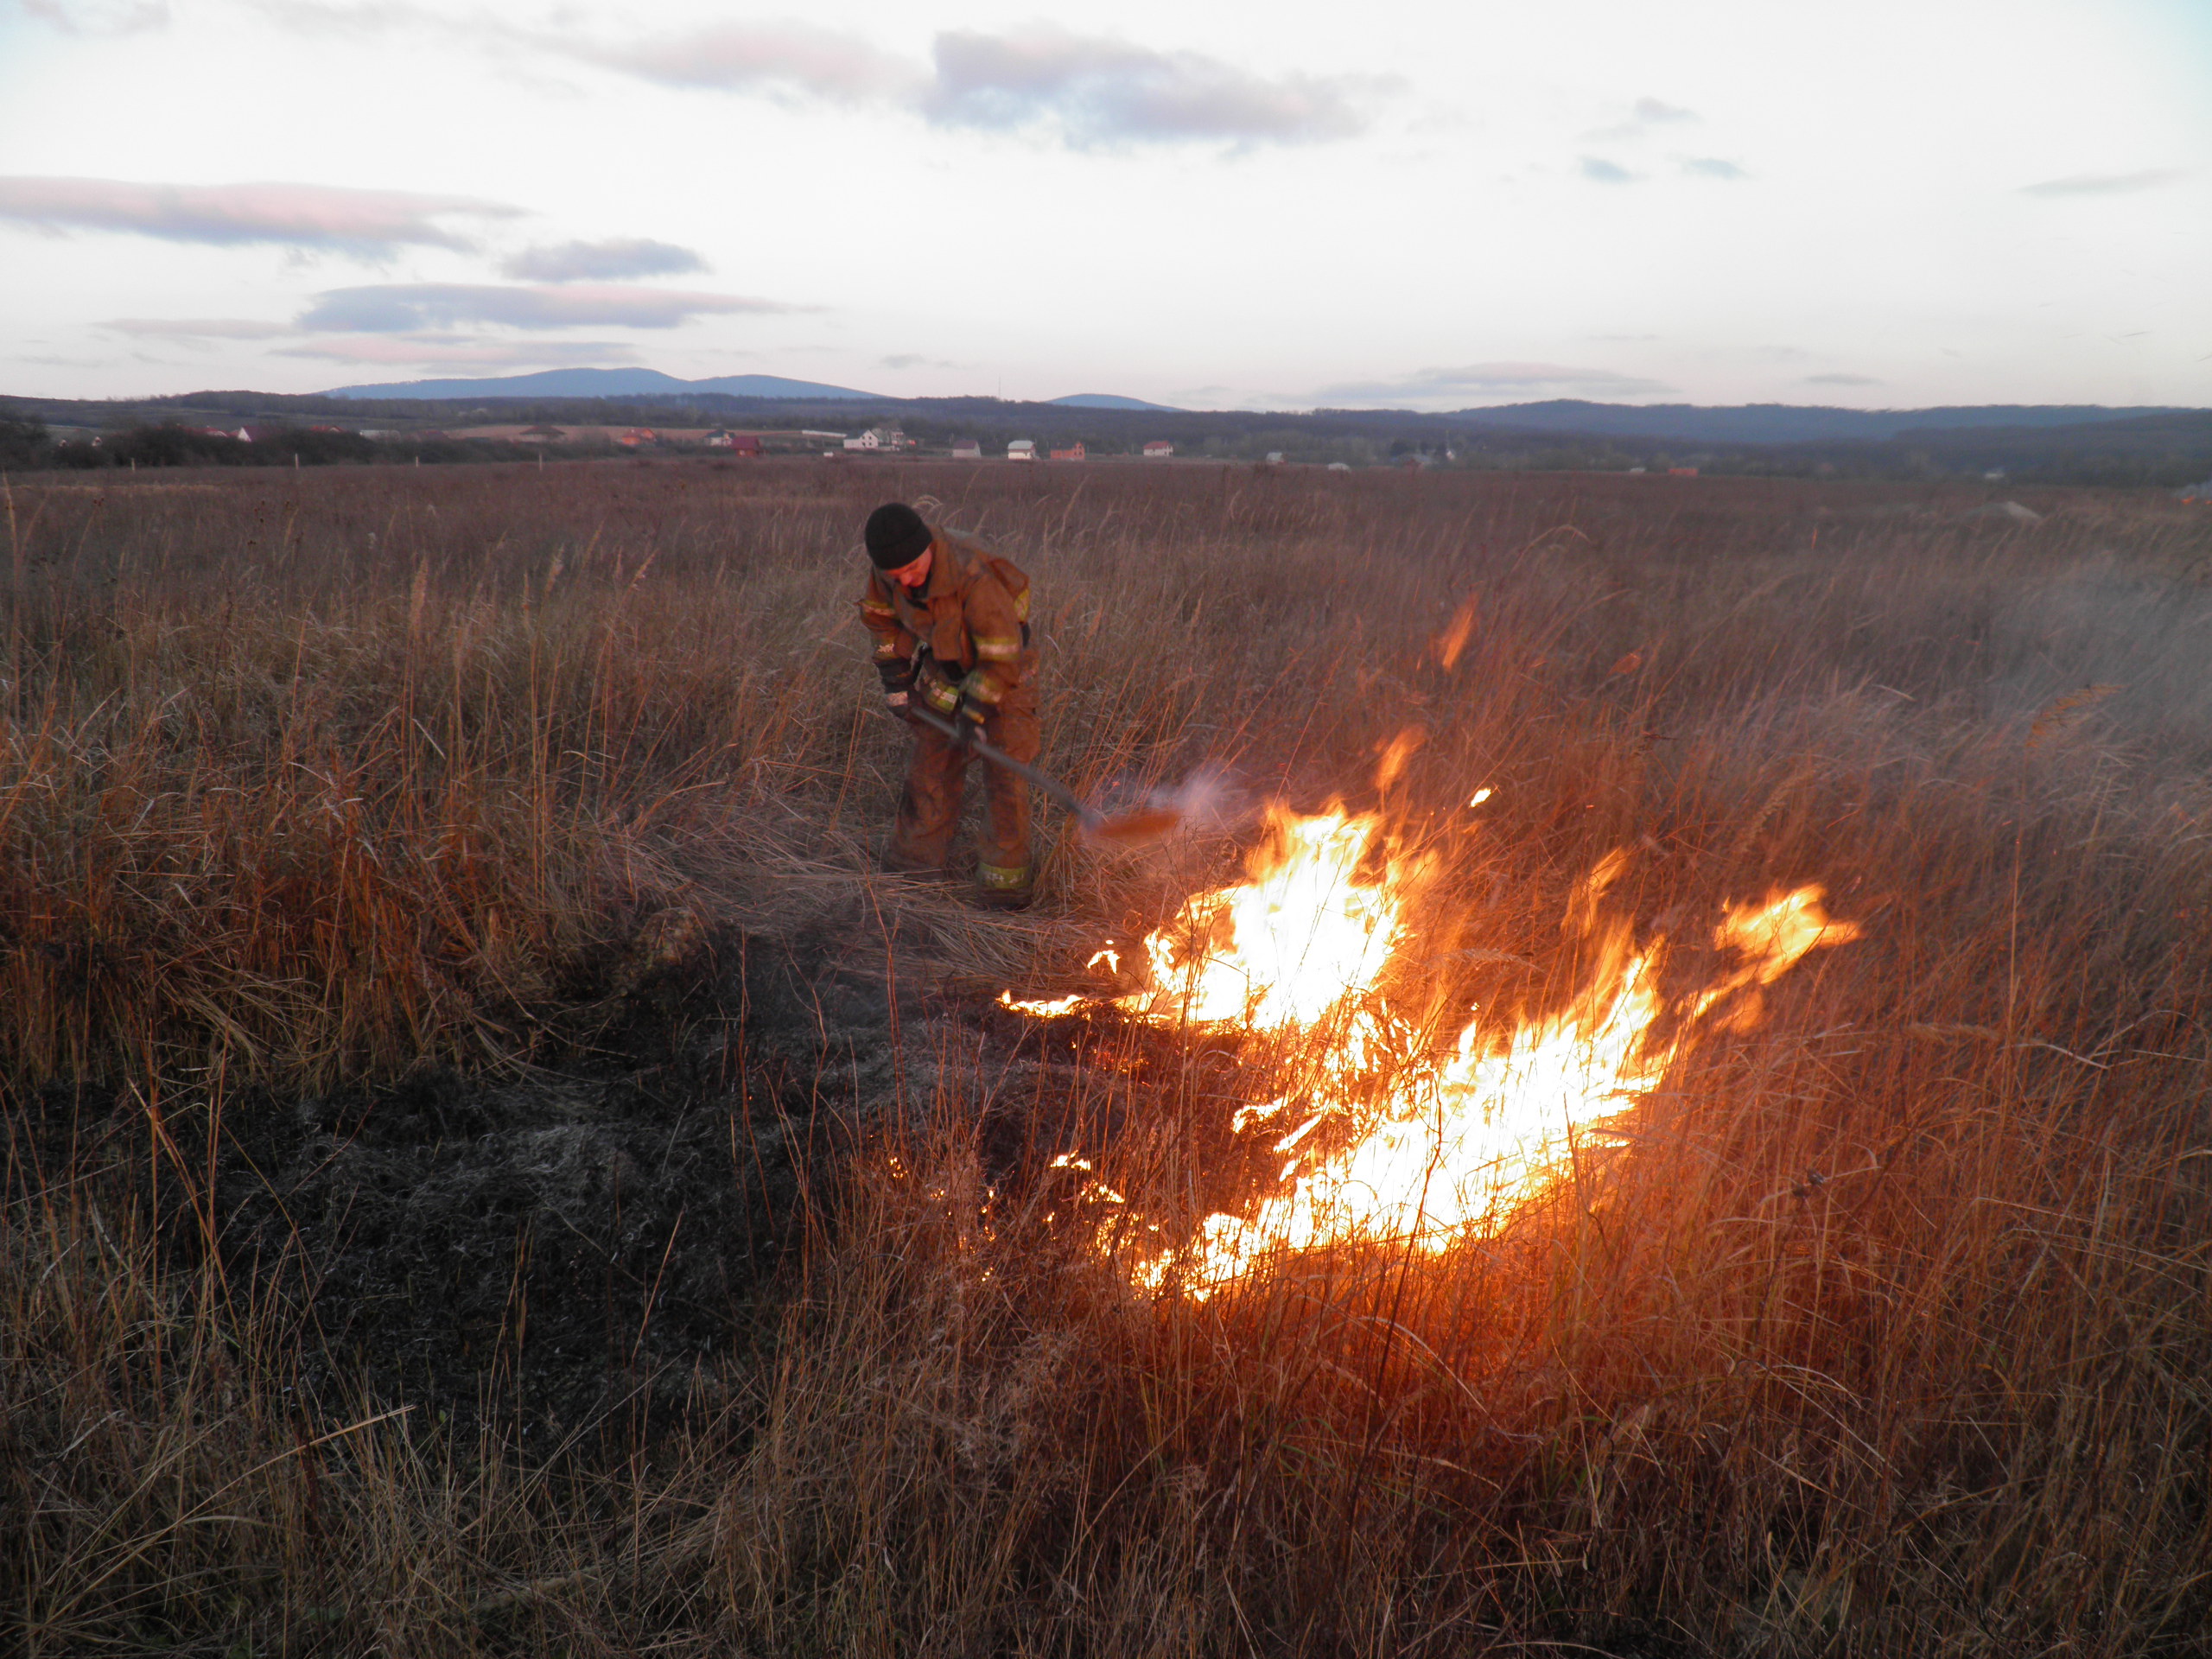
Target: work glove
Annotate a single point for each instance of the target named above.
(968, 715)
(898, 677)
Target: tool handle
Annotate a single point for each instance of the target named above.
(1052, 785)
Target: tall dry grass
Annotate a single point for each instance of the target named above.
(1887, 1335)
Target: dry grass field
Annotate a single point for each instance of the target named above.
(490, 1168)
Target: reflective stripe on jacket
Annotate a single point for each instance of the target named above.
(972, 614)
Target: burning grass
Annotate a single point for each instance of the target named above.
(1431, 1146)
(1848, 1303)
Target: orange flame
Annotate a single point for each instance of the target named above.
(1453, 1145)
(1453, 639)
(1772, 937)
(1308, 932)
(1048, 1008)
(1396, 753)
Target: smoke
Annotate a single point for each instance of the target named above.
(1210, 800)
(2138, 639)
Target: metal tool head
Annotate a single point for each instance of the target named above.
(1132, 828)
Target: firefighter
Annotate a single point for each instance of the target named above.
(951, 628)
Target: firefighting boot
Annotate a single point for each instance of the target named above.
(1003, 887)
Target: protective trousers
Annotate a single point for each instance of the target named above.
(929, 806)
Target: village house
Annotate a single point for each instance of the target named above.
(1022, 450)
(967, 449)
(738, 443)
(1158, 449)
(878, 437)
(1073, 453)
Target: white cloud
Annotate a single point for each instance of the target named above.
(779, 58)
(1097, 91)
(460, 350)
(1643, 115)
(601, 262)
(312, 218)
(2105, 184)
(1599, 170)
(98, 17)
(1092, 91)
(405, 308)
(191, 328)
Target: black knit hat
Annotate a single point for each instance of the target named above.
(896, 536)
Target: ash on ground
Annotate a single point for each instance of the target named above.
(562, 1246)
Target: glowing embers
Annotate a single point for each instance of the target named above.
(1046, 1009)
(1383, 1139)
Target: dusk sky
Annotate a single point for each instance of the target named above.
(1886, 204)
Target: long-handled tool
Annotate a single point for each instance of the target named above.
(1127, 829)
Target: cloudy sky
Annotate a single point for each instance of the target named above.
(1894, 203)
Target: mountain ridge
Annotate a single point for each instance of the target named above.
(1111, 400)
(608, 383)
(1757, 423)
(1784, 423)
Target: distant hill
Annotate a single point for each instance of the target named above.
(1779, 422)
(608, 383)
(2044, 444)
(1108, 400)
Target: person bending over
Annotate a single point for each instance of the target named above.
(951, 626)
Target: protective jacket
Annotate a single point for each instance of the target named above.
(972, 616)
(964, 632)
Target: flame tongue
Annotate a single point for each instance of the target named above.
(1277, 954)
(1435, 1148)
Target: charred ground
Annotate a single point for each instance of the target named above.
(566, 1245)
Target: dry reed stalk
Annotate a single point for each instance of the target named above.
(1885, 1336)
